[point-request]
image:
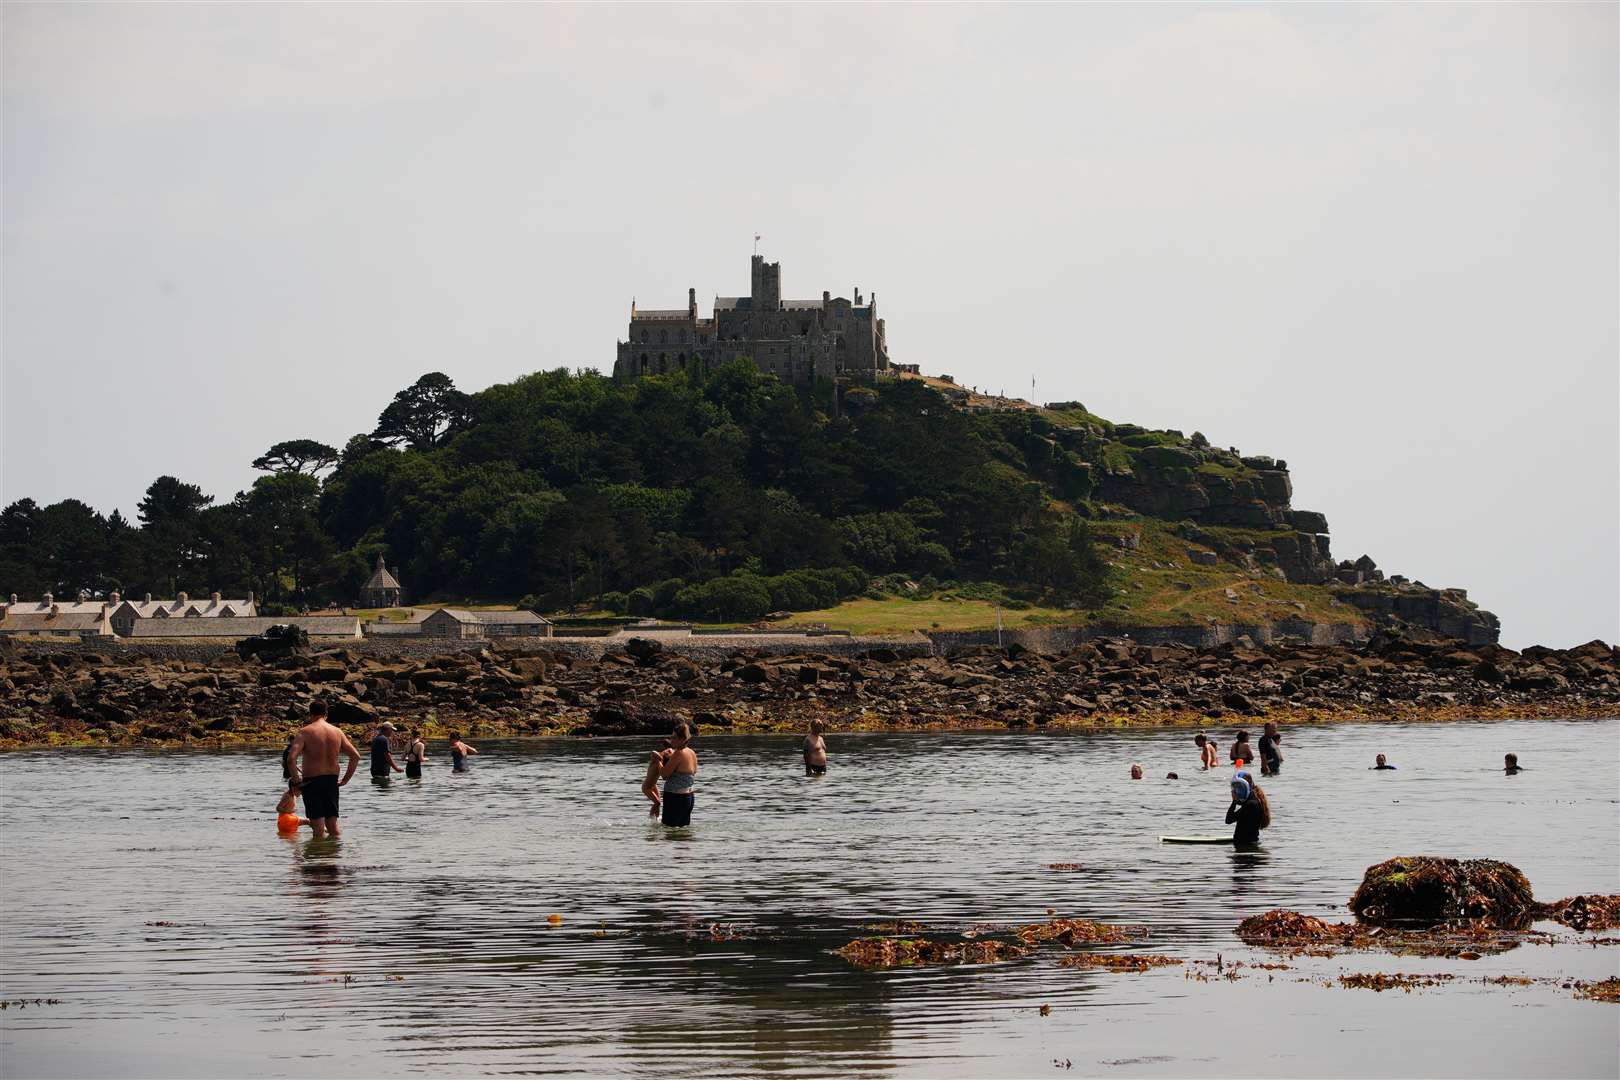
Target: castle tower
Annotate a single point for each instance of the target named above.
(766, 282)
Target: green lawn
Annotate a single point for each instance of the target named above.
(899, 616)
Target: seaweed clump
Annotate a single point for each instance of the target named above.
(1425, 890)
(1071, 932)
(1589, 911)
(1607, 990)
(1290, 928)
(906, 952)
(1118, 961)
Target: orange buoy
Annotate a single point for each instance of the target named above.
(286, 823)
(553, 919)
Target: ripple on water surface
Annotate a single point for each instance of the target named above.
(148, 892)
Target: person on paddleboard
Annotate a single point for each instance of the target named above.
(1249, 811)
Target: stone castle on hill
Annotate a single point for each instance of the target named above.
(799, 341)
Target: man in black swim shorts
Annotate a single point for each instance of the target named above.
(313, 763)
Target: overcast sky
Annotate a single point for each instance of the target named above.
(1379, 241)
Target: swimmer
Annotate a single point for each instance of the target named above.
(649, 783)
(313, 763)
(459, 753)
(679, 771)
(815, 750)
(414, 756)
(1242, 752)
(1382, 764)
(382, 756)
(1270, 754)
(287, 820)
(1510, 764)
(1171, 776)
(1249, 811)
(1136, 770)
(1206, 751)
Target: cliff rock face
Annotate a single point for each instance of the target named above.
(1239, 506)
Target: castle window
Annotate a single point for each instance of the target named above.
(663, 337)
(644, 337)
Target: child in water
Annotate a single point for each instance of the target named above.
(815, 750)
(649, 782)
(287, 821)
(1206, 751)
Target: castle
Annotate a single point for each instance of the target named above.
(798, 341)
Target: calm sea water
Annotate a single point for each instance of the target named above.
(149, 892)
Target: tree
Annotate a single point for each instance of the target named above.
(424, 414)
(297, 455)
(170, 515)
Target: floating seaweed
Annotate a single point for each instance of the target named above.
(1589, 911)
(1280, 929)
(1071, 932)
(1379, 982)
(1607, 990)
(906, 952)
(1065, 866)
(1118, 961)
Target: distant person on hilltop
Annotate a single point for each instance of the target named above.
(815, 750)
(1382, 764)
(1270, 753)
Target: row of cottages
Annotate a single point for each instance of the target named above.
(83, 618)
(126, 614)
(460, 623)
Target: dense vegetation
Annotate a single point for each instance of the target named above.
(724, 495)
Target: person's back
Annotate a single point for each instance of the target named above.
(1271, 751)
(413, 757)
(679, 771)
(318, 746)
(313, 760)
(1242, 754)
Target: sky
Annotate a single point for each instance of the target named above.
(1379, 241)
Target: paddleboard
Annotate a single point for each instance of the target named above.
(1195, 839)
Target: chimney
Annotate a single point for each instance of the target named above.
(181, 600)
(47, 601)
(691, 303)
(84, 596)
(250, 596)
(13, 600)
(115, 598)
(826, 297)
(213, 600)
(148, 599)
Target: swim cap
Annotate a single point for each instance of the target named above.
(1240, 788)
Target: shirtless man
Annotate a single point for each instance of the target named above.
(313, 761)
(815, 750)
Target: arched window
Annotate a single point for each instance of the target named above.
(681, 361)
(644, 337)
(644, 363)
(663, 337)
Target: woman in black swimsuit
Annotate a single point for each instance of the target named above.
(414, 756)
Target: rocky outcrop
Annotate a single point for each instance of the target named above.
(1399, 603)
(78, 696)
(1427, 891)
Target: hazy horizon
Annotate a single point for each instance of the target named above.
(1379, 242)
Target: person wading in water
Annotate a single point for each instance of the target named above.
(1249, 811)
(679, 771)
(312, 760)
(414, 756)
(382, 756)
(1270, 751)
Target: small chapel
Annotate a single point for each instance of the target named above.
(382, 589)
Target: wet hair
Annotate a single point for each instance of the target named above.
(682, 731)
(317, 707)
(1243, 736)
(1380, 759)
(1171, 776)
(1265, 807)
(817, 727)
(455, 737)
(1136, 770)
(1200, 738)
(1510, 759)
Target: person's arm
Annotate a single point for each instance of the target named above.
(667, 769)
(294, 774)
(391, 764)
(1232, 813)
(469, 748)
(354, 760)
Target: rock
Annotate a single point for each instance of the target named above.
(1202, 558)
(532, 669)
(757, 673)
(1425, 890)
(345, 710)
(643, 648)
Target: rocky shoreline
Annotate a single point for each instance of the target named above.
(88, 698)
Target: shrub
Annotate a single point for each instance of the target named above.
(640, 601)
(615, 602)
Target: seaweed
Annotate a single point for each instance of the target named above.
(1607, 990)
(906, 952)
(1589, 911)
(1118, 961)
(1071, 932)
(1426, 890)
